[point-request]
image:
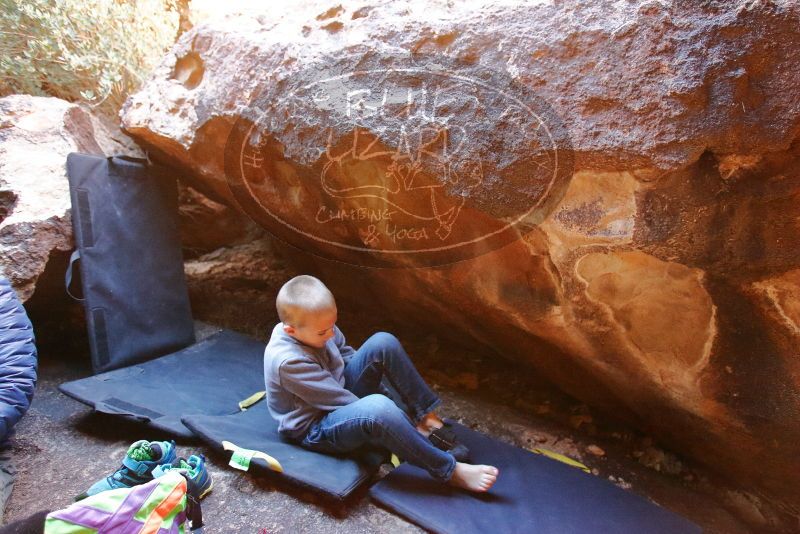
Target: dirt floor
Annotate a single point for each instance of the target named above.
(61, 448)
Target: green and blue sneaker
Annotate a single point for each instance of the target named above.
(137, 467)
(199, 481)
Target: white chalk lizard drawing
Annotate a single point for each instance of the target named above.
(414, 181)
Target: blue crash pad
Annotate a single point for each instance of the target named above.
(255, 429)
(533, 493)
(210, 377)
(125, 221)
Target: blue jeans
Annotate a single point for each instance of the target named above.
(375, 419)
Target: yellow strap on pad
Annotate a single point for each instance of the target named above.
(561, 458)
(251, 400)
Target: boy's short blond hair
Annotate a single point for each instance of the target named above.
(300, 296)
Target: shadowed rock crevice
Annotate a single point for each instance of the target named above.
(189, 70)
(7, 201)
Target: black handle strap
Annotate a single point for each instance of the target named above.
(68, 276)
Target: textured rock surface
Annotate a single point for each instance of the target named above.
(655, 275)
(36, 134)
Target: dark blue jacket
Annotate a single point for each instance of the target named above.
(17, 359)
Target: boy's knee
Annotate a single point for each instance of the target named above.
(377, 403)
(381, 409)
(385, 339)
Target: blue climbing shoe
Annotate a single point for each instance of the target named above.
(137, 467)
(199, 482)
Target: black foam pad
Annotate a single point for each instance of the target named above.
(333, 475)
(125, 221)
(533, 493)
(210, 377)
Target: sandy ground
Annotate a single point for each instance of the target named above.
(61, 447)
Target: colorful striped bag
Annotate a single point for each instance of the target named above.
(157, 507)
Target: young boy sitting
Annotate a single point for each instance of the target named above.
(327, 397)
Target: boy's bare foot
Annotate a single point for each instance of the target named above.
(477, 478)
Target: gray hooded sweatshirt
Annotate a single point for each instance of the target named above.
(304, 383)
